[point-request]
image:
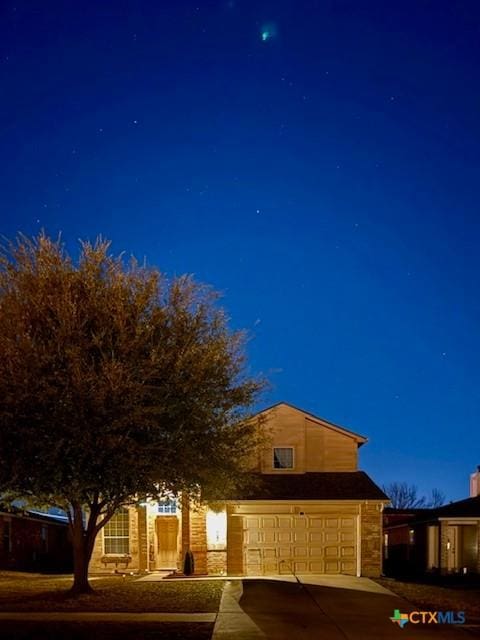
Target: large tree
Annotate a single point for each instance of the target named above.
(115, 383)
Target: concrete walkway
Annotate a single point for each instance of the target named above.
(329, 607)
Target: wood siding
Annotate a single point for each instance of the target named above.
(317, 446)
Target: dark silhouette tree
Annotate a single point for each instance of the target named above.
(115, 384)
(405, 496)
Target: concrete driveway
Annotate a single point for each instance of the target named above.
(323, 607)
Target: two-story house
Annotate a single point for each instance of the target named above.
(312, 511)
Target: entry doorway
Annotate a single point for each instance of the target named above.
(167, 538)
(452, 549)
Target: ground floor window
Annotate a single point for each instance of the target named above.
(116, 534)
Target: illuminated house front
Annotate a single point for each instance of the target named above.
(312, 511)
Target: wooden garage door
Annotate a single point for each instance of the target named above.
(281, 544)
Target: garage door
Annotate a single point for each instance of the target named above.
(280, 544)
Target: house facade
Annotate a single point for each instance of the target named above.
(33, 541)
(310, 511)
(442, 540)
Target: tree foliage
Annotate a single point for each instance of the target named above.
(405, 496)
(114, 381)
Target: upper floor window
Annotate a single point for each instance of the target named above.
(283, 458)
(116, 534)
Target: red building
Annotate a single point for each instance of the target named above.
(33, 541)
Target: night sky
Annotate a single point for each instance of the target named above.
(317, 162)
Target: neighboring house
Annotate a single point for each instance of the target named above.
(33, 541)
(311, 512)
(441, 540)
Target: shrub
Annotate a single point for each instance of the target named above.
(189, 564)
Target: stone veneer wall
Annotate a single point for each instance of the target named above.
(198, 538)
(443, 547)
(234, 543)
(371, 535)
(216, 563)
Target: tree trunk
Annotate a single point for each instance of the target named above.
(83, 541)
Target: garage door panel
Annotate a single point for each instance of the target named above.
(284, 536)
(268, 522)
(331, 523)
(348, 568)
(285, 522)
(282, 544)
(316, 536)
(316, 523)
(300, 536)
(300, 522)
(268, 536)
(252, 523)
(332, 536)
(347, 536)
(332, 566)
(300, 551)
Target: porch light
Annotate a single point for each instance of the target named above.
(216, 530)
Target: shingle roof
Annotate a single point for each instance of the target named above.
(468, 508)
(341, 485)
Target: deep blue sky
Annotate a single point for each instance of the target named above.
(326, 179)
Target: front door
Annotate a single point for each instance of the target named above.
(167, 534)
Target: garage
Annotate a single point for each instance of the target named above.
(281, 543)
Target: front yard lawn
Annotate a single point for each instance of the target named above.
(435, 597)
(35, 592)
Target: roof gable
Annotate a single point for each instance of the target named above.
(359, 439)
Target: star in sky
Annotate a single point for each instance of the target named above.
(268, 32)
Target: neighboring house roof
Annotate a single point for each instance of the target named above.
(31, 514)
(393, 517)
(468, 508)
(356, 436)
(325, 485)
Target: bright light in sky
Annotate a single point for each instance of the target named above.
(268, 32)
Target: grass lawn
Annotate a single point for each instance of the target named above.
(437, 597)
(35, 592)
